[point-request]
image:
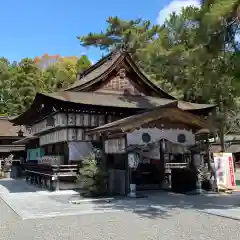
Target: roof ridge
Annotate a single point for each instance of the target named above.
(91, 69)
(107, 94)
(94, 66)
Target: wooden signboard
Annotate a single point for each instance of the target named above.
(52, 160)
(54, 137)
(115, 145)
(59, 119)
(68, 120)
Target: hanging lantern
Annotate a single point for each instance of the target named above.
(133, 160)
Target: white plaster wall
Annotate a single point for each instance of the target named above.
(156, 134)
(79, 150)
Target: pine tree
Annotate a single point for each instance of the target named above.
(92, 177)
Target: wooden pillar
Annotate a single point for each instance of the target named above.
(127, 169)
(57, 183)
(162, 149)
(104, 161)
(56, 178)
(104, 155)
(51, 184)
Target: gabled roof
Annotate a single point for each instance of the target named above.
(7, 129)
(98, 99)
(109, 100)
(95, 70)
(106, 65)
(168, 111)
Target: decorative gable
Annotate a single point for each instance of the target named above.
(120, 84)
(117, 73)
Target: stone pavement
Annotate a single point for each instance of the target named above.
(160, 216)
(218, 204)
(176, 224)
(232, 213)
(29, 206)
(30, 202)
(15, 186)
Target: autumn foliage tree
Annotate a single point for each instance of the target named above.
(20, 81)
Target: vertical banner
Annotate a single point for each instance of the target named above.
(231, 172)
(221, 170)
(224, 170)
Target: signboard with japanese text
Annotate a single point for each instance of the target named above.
(231, 173)
(224, 170)
(67, 120)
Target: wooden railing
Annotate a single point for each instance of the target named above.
(49, 176)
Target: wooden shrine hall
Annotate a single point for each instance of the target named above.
(161, 139)
(110, 90)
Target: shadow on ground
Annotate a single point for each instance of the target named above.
(16, 186)
(162, 204)
(156, 204)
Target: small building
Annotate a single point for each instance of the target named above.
(112, 89)
(8, 135)
(161, 139)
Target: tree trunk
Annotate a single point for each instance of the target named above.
(222, 140)
(222, 127)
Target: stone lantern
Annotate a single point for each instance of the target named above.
(7, 166)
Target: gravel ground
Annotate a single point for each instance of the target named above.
(7, 216)
(176, 224)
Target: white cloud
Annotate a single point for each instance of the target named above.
(175, 6)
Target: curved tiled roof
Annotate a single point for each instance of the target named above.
(107, 64)
(7, 129)
(104, 100)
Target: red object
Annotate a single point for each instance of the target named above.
(231, 175)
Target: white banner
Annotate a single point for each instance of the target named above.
(224, 170)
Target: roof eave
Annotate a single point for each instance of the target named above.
(92, 68)
(149, 116)
(98, 78)
(18, 120)
(146, 80)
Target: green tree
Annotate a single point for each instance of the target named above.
(133, 35)
(219, 22)
(215, 10)
(5, 75)
(26, 80)
(92, 177)
(83, 63)
(172, 59)
(20, 81)
(205, 72)
(63, 72)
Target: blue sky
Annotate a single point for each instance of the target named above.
(31, 28)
